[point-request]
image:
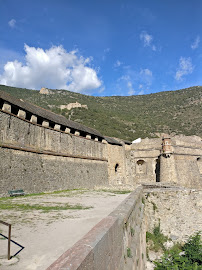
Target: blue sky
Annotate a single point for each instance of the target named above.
(101, 47)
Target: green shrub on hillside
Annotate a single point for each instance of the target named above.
(129, 117)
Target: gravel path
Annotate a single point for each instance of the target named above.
(46, 234)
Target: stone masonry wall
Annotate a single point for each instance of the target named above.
(177, 209)
(37, 159)
(35, 173)
(141, 162)
(116, 165)
(117, 242)
(15, 131)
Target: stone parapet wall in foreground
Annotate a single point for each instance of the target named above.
(116, 242)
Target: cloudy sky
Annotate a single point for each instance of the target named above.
(101, 47)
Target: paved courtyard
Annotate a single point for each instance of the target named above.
(47, 225)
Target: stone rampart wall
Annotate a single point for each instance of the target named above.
(18, 132)
(37, 159)
(178, 210)
(117, 242)
(36, 173)
(147, 162)
(116, 165)
(141, 166)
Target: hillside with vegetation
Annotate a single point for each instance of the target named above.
(126, 117)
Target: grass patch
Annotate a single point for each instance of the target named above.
(154, 206)
(129, 254)
(28, 207)
(42, 193)
(132, 231)
(156, 239)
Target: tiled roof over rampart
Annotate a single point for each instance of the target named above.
(48, 115)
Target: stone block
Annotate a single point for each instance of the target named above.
(96, 139)
(22, 114)
(77, 133)
(57, 127)
(6, 107)
(67, 130)
(45, 124)
(33, 119)
(88, 136)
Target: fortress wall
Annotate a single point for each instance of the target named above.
(18, 132)
(178, 210)
(188, 171)
(117, 242)
(37, 159)
(141, 166)
(187, 141)
(116, 164)
(141, 161)
(180, 150)
(35, 173)
(168, 170)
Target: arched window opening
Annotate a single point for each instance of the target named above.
(141, 166)
(140, 162)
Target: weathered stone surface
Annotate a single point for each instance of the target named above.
(57, 127)
(178, 210)
(33, 119)
(22, 114)
(45, 123)
(38, 173)
(6, 107)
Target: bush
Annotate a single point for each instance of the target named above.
(157, 239)
(188, 257)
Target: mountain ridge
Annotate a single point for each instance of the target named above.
(126, 117)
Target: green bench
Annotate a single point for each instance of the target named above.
(17, 192)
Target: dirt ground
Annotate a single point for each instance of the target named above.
(46, 227)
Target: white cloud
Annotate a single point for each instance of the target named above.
(12, 23)
(185, 68)
(195, 44)
(135, 82)
(53, 68)
(147, 40)
(125, 83)
(146, 77)
(146, 72)
(106, 51)
(141, 93)
(131, 90)
(117, 64)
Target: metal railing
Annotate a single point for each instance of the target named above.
(9, 237)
